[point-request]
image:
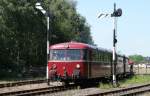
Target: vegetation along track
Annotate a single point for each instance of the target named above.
(19, 83)
(39, 91)
(130, 91)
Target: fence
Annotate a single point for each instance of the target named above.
(141, 69)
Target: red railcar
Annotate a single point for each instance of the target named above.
(80, 61)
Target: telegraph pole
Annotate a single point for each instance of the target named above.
(39, 7)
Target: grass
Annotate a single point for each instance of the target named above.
(135, 80)
(105, 85)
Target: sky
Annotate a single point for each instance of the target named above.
(133, 27)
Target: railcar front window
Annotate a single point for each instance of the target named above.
(66, 54)
(73, 55)
(57, 55)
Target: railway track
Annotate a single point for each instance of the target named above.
(39, 91)
(130, 91)
(19, 83)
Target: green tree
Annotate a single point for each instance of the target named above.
(136, 58)
(23, 30)
(67, 24)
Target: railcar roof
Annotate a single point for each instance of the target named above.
(76, 45)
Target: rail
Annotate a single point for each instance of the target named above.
(39, 91)
(130, 91)
(19, 83)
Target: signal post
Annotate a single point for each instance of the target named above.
(116, 13)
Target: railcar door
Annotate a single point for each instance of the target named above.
(89, 53)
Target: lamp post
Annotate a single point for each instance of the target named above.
(39, 7)
(115, 14)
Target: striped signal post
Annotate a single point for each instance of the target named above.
(39, 7)
(115, 14)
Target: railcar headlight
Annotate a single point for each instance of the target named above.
(78, 66)
(54, 66)
(64, 68)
